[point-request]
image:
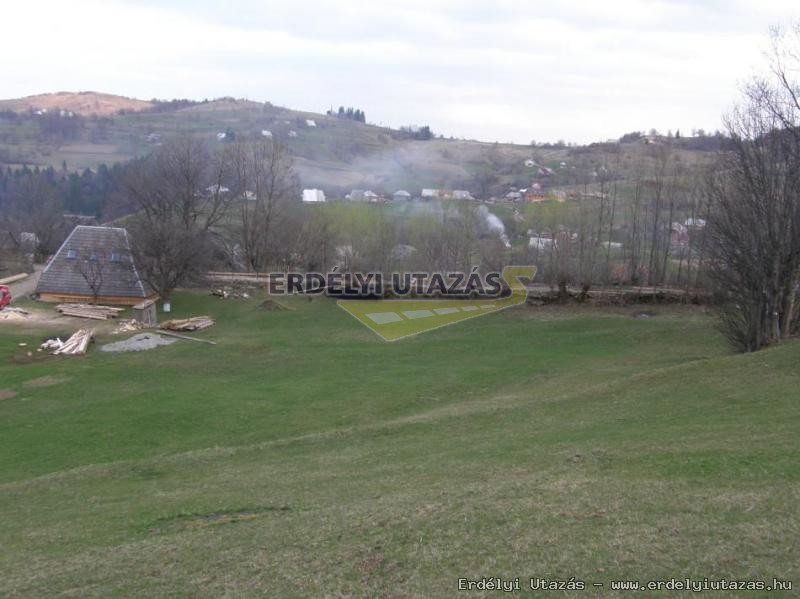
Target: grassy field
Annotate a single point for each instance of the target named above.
(304, 456)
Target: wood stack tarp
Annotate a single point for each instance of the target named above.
(89, 311)
(76, 344)
(196, 323)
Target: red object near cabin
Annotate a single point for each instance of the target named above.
(5, 296)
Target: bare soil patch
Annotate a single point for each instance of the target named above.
(45, 381)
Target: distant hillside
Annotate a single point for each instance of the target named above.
(82, 103)
(333, 153)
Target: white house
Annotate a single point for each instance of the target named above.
(217, 189)
(313, 196)
(292, 133)
(266, 133)
(311, 123)
(221, 136)
(400, 195)
(540, 243)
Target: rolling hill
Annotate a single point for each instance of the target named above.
(331, 152)
(82, 103)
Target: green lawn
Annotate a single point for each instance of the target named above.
(304, 456)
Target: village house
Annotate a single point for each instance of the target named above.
(446, 194)
(94, 264)
(313, 196)
(401, 195)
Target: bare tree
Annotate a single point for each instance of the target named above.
(265, 182)
(180, 199)
(754, 225)
(93, 272)
(35, 210)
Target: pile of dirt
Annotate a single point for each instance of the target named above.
(272, 306)
(141, 342)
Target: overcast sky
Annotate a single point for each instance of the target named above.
(492, 70)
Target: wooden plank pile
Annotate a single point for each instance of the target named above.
(11, 313)
(196, 323)
(128, 326)
(76, 344)
(14, 278)
(89, 311)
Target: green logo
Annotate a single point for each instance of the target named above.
(395, 319)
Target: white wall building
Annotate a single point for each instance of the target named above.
(313, 196)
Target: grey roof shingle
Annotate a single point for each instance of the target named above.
(106, 249)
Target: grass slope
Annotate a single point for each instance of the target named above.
(304, 456)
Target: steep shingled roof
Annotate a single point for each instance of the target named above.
(109, 248)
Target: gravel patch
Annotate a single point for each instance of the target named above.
(140, 342)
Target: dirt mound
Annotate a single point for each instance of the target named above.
(272, 306)
(45, 381)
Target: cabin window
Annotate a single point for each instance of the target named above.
(72, 254)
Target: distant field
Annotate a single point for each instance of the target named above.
(303, 456)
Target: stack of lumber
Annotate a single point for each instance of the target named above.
(76, 344)
(9, 313)
(13, 278)
(195, 323)
(89, 311)
(128, 326)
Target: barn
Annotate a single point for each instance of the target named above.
(94, 264)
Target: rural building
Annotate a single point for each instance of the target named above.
(540, 243)
(401, 195)
(695, 223)
(447, 194)
(145, 313)
(217, 189)
(312, 196)
(361, 195)
(94, 263)
(311, 123)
